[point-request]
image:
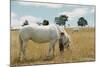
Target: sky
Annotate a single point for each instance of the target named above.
(36, 12)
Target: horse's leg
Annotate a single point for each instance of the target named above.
(24, 49)
(54, 47)
(21, 48)
(68, 42)
(51, 46)
(20, 52)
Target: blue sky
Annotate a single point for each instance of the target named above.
(37, 12)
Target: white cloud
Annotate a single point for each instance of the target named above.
(31, 19)
(14, 20)
(13, 15)
(50, 5)
(78, 12)
(15, 23)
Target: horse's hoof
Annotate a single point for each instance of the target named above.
(50, 57)
(19, 59)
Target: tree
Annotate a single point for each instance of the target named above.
(45, 22)
(39, 23)
(25, 23)
(61, 20)
(82, 22)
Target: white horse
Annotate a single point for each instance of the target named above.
(41, 34)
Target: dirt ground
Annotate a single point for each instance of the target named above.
(82, 48)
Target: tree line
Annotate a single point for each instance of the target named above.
(61, 21)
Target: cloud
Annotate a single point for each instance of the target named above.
(77, 12)
(15, 22)
(50, 5)
(13, 15)
(31, 19)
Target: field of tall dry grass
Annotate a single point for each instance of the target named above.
(82, 48)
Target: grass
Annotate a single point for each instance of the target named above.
(82, 48)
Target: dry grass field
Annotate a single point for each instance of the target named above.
(82, 48)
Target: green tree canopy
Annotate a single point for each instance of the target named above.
(61, 20)
(82, 22)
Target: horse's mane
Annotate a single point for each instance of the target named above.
(62, 29)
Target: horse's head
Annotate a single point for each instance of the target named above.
(63, 41)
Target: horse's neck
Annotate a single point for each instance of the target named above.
(59, 29)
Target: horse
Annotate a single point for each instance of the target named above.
(42, 34)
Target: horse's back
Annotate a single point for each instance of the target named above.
(45, 33)
(39, 33)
